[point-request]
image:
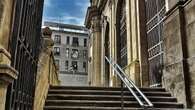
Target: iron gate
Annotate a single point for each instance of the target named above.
(122, 34)
(155, 10)
(24, 48)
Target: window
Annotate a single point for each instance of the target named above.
(66, 65)
(67, 40)
(75, 41)
(67, 52)
(85, 42)
(84, 53)
(85, 66)
(74, 65)
(57, 39)
(75, 53)
(56, 50)
(57, 62)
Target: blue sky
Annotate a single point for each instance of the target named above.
(65, 11)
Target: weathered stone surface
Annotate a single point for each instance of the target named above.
(1, 10)
(174, 81)
(190, 26)
(173, 74)
(191, 64)
(5, 21)
(47, 74)
(170, 4)
(3, 90)
(7, 75)
(190, 33)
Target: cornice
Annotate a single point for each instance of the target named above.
(91, 12)
(102, 4)
(95, 10)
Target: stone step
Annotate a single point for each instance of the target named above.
(132, 104)
(101, 88)
(100, 108)
(102, 92)
(106, 98)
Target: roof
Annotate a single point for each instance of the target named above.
(65, 26)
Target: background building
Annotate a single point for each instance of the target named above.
(70, 51)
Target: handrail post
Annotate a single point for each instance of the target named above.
(122, 95)
(145, 103)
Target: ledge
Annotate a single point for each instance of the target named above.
(7, 73)
(7, 54)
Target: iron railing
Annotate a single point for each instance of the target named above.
(24, 47)
(155, 13)
(135, 91)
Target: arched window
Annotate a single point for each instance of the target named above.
(121, 34)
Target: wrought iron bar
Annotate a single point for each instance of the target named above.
(145, 103)
(24, 48)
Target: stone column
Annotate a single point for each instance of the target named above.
(5, 21)
(143, 45)
(7, 73)
(133, 67)
(96, 36)
(93, 22)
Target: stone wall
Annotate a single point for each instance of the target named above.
(190, 40)
(47, 74)
(179, 53)
(173, 57)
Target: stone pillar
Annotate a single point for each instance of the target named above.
(143, 45)
(7, 73)
(96, 36)
(5, 21)
(133, 33)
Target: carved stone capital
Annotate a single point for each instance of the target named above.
(96, 24)
(92, 13)
(7, 73)
(5, 57)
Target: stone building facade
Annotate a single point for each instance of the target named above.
(152, 40)
(71, 53)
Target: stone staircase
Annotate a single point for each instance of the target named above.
(104, 98)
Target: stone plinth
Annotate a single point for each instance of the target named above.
(7, 75)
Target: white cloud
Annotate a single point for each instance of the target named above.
(72, 20)
(66, 19)
(47, 3)
(83, 5)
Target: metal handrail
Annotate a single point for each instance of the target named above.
(130, 84)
